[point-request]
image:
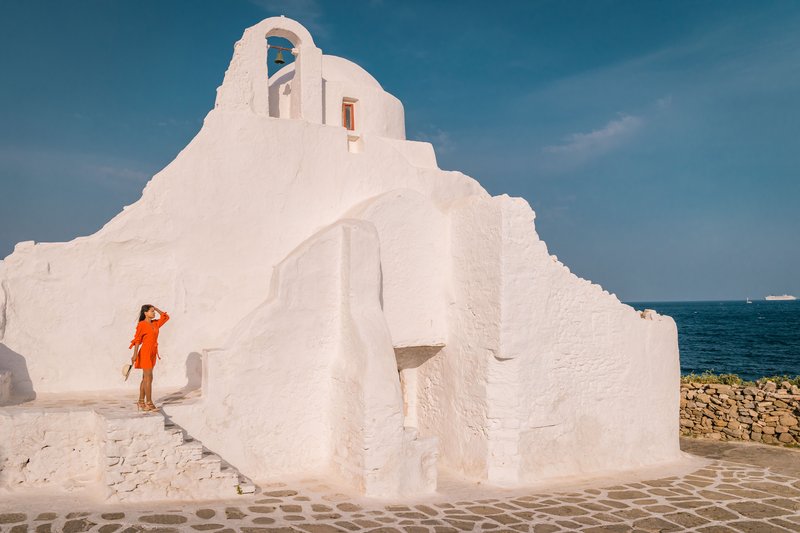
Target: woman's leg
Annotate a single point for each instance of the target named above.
(147, 380)
(141, 388)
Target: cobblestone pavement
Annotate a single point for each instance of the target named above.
(721, 496)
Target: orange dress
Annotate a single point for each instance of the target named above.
(147, 335)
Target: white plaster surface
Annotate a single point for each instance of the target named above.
(68, 443)
(307, 266)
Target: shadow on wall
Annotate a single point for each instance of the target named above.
(194, 379)
(194, 371)
(21, 385)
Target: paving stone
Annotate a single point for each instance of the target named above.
(265, 509)
(320, 528)
(660, 509)
(445, 529)
(44, 528)
(20, 528)
(689, 504)
(348, 507)
(232, 513)
(630, 514)
(626, 494)
(657, 524)
(319, 508)
(564, 510)
(45, 516)
(77, 526)
(484, 510)
(81, 514)
(773, 488)
(112, 516)
(784, 503)
(425, 509)
(605, 517)
(163, 519)
(716, 513)
(756, 510)
(784, 524)
(416, 529)
(330, 516)
(687, 520)
(607, 529)
(207, 527)
(411, 514)
(281, 493)
(261, 520)
(362, 522)
(205, 514)
(460, 524)
(750, 526)
(348, 525)
(269, 500)
(11, 518)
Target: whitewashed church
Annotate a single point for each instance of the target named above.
(340, 303)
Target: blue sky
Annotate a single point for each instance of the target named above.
(658, 142)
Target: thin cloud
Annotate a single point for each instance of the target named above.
(99, 169)
(598, 141)
(440, 139)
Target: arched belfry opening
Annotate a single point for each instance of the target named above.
(246, 83)
(281, 54)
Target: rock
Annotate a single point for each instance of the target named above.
(785, 438)
(786, 385)
(768, 430)
(788, 420)
(687, 423)
(733, 424)
(735, 433)
(769, 386)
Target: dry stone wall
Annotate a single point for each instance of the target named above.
(766, 413)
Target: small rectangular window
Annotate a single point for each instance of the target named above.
(348, 115)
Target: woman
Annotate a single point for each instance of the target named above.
(145, 352)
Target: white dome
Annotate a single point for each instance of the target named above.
(334, 68)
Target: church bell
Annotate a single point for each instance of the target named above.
(279, 58)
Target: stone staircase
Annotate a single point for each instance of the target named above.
(149, 457)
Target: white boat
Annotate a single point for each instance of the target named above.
(749, 300)
(781, 298)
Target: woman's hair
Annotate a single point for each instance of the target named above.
(145, 308)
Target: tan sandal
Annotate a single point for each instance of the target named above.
(141, 406)
(150, 406)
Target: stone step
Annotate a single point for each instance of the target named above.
(151, 457)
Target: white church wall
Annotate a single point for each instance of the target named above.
(200, 243)
(309, 380)
(550, 369)
(414, 265)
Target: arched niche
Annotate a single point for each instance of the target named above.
(246, 83)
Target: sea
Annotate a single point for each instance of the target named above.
(752, 340)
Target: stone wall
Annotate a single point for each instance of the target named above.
(767, 412)
(39, 449)
(135, 457)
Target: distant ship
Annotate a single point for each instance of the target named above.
(783, 297)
